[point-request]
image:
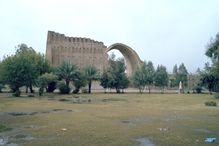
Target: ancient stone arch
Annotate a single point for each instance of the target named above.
(85, 51)
(131, 57)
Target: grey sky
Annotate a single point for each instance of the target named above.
(166, 32)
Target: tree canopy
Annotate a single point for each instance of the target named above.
(23, 68)
(161, 77)
(115, 77)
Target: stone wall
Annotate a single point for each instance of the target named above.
(80, 51)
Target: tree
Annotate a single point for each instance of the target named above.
(173, 78)
(144, 76)
(139, 80)
(13, 69)
(48, 81)
(90, 75)
(175, 69)
(118, 79)
(104, 80)
(79, 81)
(179, 74)
(210, 77)
(66, 71)
(22, 69)
(150, 72)
(182, 75)
(114, 77)
(161, 77)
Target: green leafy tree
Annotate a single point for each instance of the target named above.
(79, 81)
(179, 74)
(161, 77)
(13, 71)
(118, 78)
(22, 69)
(139, 80)
(90, 75)
(150, 73)
(105, 80)
(35, 64)
(173, 78)
(182, 75)
(210, 76)
(66, 71)
(144, 76)
(115, 77)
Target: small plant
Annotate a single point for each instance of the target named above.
(210, 103)
(84, 90)
(216, 96)
(63, 88)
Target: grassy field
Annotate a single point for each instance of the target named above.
(109, 120)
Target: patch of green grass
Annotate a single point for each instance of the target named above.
(210, 103)
(3, 128)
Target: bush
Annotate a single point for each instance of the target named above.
(210, 103)
(216, 96)
(48, 81)
(63, 88)
(198, 89)
(51, 87)
(76, 91)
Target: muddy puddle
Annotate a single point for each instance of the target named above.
(14, 140)
(144, 142)
(40, 112)
(203, 130)
(75, 100)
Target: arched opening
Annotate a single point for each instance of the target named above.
(131, 57)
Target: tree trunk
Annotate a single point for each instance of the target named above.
(26, 89)
(149, 89)
(31, 88)
(210, 91)
(89, 87)
(67, 82)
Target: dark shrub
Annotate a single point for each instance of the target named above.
(17, 93)
(51, 87)
(210, 103)
(63, 88)
(198, 89)
(76, 91)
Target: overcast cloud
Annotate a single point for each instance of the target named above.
(166, 32)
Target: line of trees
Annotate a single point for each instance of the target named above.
(29, 68)
(146, 76)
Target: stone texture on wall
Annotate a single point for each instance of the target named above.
(80, 51)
